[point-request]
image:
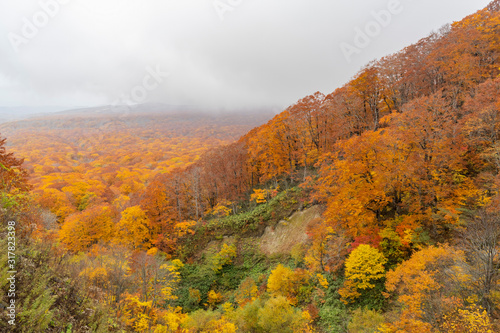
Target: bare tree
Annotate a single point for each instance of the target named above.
(480, 240)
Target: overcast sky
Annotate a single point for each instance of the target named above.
(227, 53)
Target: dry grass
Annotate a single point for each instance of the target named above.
(286, 234)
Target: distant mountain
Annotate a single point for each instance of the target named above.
(160, 117)
(11, 114)
(155, 108)
(22, 112)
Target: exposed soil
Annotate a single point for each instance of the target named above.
(282, 238)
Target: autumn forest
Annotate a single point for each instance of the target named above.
(375, 208)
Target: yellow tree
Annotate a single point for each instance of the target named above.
(280, 281)
(83, 192)
(57, 202)
(469, 320)
(364, 266)
(133, 229)
(285, 282)
(363, 269)
(84, 229)
(426, 286)
(224, 257)
(277, 315)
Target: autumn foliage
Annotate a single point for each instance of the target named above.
(161, 215)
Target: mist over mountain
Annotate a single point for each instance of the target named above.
(372, 207)
(205, 53)
(22, 112)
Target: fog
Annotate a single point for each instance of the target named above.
(214, 54)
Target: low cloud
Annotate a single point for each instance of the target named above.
(228, 53)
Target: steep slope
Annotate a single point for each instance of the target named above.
(288, 233)
(405, 160)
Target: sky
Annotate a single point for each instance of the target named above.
(208, 53)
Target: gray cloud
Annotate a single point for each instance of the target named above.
(263, 53)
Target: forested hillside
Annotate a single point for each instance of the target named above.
(388, 187)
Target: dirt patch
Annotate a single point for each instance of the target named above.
(286, 234)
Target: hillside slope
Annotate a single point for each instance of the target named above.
(403, 161)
